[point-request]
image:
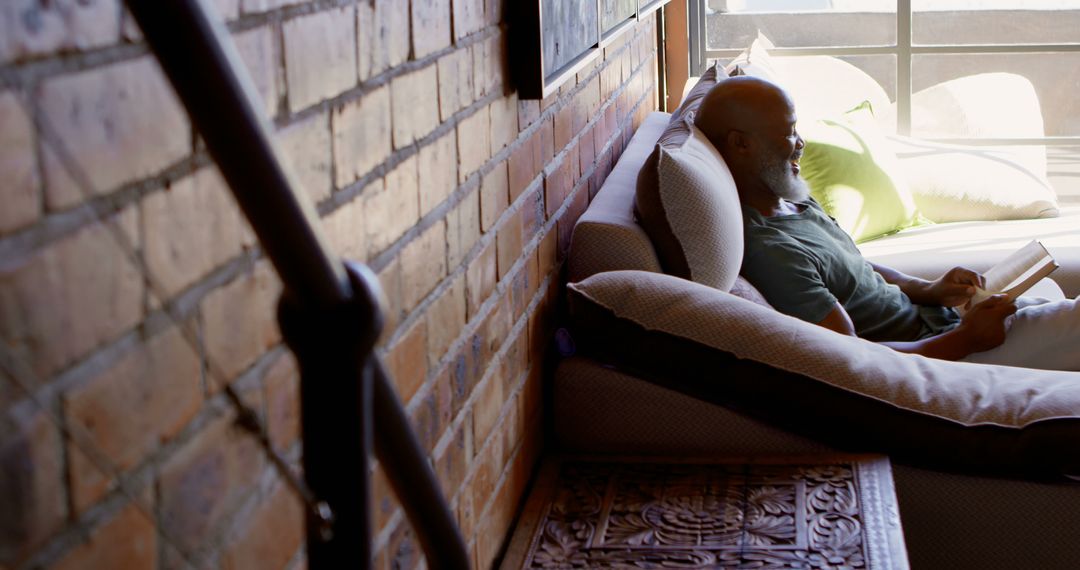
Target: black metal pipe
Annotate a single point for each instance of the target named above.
(329, 317)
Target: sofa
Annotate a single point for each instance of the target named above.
(985, 458)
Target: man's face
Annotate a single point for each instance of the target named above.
(778, 162)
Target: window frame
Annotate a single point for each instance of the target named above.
(904, 51)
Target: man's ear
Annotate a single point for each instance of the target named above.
(737, 141)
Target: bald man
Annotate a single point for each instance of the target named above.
(807, 267)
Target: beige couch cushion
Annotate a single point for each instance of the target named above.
(657, 322)
(606, 237)
(929, 251)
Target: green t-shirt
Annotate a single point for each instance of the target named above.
(804, 263)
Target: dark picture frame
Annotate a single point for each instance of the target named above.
(554, 39)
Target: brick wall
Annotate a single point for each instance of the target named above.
(131, 289)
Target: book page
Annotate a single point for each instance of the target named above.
(1016, 273)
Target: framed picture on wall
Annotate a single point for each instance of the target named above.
(553, 39)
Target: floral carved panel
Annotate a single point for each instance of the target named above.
(710, 515)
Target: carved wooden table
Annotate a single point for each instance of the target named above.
(793, 512)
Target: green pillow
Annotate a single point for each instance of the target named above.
(854, 175)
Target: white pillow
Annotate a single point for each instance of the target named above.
(952, 183)
(820, 86)
(703, 210)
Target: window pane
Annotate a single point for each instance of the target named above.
(996, 95)
(733, 24)
(965, 22)
(1063, 170)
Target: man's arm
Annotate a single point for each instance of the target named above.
(982, 328)
(952, 289)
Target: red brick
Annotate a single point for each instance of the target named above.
(504, 122)
(128, 540)
(532, 214)
(437, 171)
(191, 228)
(407, 361)
(31, 482)
(487, 68)
(361, 131)
(260, 55)
(496, 330)
(480, 279)
(205, 481)
(473, 138)
(59, 304)
(587, 152)
(494, 196)
(390, 281)
(564, 126)
(415, 105)
(305, 145)
(282, 387)
(468, 17)
(603, 168)
(240, 322)
(389, 35)
(528, 113)
(18, 166)
(445, 320)
(546, 254)
(320, 56)
(120, 123)
(345, 228)
(488, 405)
(455, 82)
(391, 210)
(559, 183)
(273, 534)
(546, 149)
(129, 409)
(452, 459)
(522, 166)
(462, 228)
(423, 264)
(430, 26)
(509, 245)
(43, 29)
(424, 417)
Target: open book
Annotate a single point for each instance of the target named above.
(1016, 273)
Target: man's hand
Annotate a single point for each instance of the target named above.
(955, 288)
(984, 325)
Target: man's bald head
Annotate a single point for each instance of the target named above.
(751, 122)
(744, 103)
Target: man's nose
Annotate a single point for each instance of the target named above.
(799, 143)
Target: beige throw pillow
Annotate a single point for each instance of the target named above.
(702, 209)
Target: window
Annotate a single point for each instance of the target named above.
(911, 46)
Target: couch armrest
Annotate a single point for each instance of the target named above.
(842, 390)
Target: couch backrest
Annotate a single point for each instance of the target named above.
(606, 237)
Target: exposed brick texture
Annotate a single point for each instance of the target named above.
(132, 290)
(361, 135)
(18, 166)
(414, 99)
(320, 60)
(132, 407)
(117, 124)
(430, 26)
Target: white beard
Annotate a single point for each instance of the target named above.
(779, 178)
